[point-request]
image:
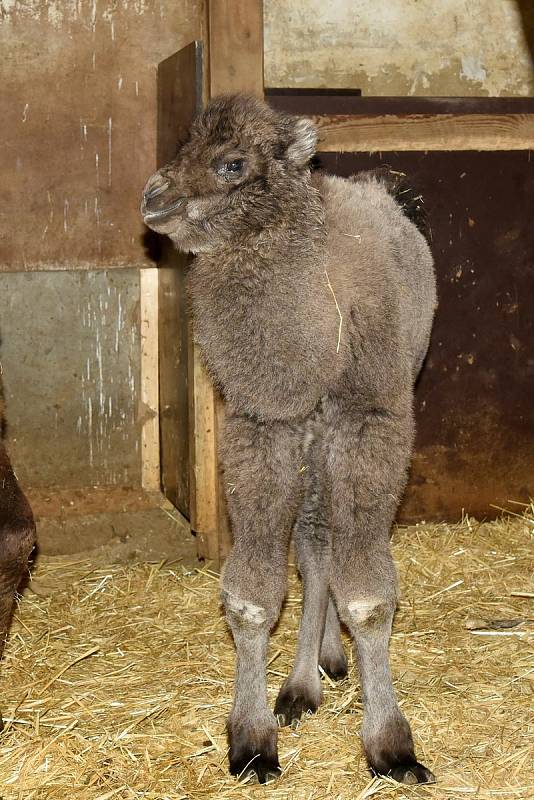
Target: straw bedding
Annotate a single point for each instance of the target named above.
(116, 682)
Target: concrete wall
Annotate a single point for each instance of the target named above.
(70, 354)
(401, 47)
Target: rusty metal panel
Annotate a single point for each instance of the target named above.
(474, 400)
(79, 125)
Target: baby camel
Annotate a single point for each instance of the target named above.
(313, 299)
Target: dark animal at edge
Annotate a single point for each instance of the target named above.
(313, 298)
(17, 535)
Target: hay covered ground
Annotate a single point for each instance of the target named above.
(116, 682)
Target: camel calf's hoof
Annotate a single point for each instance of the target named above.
(298, 696)
(256, 766)
(262, 767)
(253, 754)
(295, 702)
(410, 772)
(336, 667)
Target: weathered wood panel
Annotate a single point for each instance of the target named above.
(402, 47)
(150, 439)
(78, 126)
(180, 91)
(475, 415)
(235, 46)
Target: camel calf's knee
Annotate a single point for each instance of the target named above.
(371, 610)
(242, 611)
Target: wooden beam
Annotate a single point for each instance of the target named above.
(359, 133)
(235, 46)
(235, 65)
(150, 461)
(204, 497)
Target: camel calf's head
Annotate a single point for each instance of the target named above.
(241, 164)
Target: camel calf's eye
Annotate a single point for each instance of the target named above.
(234, 166)
(231, 168)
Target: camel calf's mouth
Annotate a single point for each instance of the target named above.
(159, 198)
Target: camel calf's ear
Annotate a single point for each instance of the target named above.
(303, 142)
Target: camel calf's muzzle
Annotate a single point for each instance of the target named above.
(161, 197)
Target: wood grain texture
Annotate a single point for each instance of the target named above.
(236, 46)
(448, 132)
(204, 464)
(179, 97)
(174, 381)
(149, 400)
(78, 127)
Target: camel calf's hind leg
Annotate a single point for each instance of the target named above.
(261, 465)
(319, 639)
(301, 692)
(332, 657)
(368, 462)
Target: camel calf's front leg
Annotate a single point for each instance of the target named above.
(261, 471)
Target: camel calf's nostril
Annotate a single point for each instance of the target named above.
(152, 191)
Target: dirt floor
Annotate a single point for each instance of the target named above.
(111, 526)
(117, 679)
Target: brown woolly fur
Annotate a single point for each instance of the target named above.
(142, 714)
(312, 299)
(17, 534)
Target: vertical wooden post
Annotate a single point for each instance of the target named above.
(235, 46)
(235, 65)
(150, 460)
